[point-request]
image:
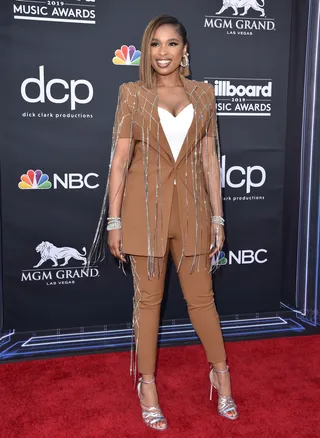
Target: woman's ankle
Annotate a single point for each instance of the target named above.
(221, 367)
(148, 378)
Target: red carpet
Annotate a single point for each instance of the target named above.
(276, 384)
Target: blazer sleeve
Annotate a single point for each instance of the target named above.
(122, 128)
(212, 126)
(211, 160)
(123, 117)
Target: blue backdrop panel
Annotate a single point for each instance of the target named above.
(60, 98)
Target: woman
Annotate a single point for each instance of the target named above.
(164, 194)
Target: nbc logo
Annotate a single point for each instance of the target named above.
(34, 180)
(243, 257)
(127, 55)
(222, 260)
(248, 256)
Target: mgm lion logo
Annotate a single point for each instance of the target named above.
(246, 4)
(50, 252)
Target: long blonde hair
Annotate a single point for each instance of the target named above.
(146, 71)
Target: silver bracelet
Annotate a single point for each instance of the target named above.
(217, 220)
(114, 225)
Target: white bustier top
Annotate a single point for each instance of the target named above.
(176, 128)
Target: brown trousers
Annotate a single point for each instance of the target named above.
(197, 291)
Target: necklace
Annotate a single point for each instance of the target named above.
(169, 86)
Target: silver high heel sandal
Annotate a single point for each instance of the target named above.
(151, 415)
(225, 402)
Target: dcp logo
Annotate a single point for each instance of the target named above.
(237, 176)
(45, 90)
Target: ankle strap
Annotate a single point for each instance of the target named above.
(217, 371)
(144, 381)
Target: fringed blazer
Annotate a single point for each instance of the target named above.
(151, 172)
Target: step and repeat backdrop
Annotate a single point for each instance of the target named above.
(64, 63)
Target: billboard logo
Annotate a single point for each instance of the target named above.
(245, 4)
(243, 97)
(82, 12)
(127, 55)
(36, 179)
(234, 25)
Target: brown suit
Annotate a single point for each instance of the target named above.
(137, 117)
(159, 216)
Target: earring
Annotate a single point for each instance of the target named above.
(185, 56)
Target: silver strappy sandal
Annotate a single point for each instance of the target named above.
(151, 415)
(225, 402)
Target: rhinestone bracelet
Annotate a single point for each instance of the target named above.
(217, 220)
(114, 225)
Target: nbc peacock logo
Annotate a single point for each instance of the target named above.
(33, 180)
(127, 55)
(222, 260)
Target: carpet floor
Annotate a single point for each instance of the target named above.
(276, 385)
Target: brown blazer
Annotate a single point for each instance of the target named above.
(152, 170)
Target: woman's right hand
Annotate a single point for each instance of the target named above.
(114, 243)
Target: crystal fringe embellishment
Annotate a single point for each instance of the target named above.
(128, 116)
(135, 321)
(202, 156)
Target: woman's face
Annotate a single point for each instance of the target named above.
(166, 50)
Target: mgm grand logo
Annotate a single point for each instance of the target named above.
(58, 273)
(254, 19)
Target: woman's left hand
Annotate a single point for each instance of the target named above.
(218, 236)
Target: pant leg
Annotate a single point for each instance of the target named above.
(198, 293)
(148, 294)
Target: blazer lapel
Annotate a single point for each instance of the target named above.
(151, 115)
(190, 88)
(163, 142)
(149, 121)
